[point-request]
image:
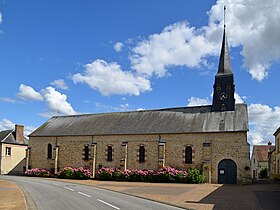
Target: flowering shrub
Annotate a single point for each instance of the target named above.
(38, 172)
(74, 173)
(165, 174)
(106, 173)
(169, 174)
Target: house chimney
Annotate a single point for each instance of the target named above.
(269, 143)
(19, 133)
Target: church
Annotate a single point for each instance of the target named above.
(213, 137)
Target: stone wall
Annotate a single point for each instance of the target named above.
(219, 146)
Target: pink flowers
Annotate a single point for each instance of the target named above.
(74, 173)
(165, 174)
(38, 172)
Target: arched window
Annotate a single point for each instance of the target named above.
(188, 155)
(49, 151)
(109, 153)
(141, 154)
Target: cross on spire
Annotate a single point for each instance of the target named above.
(225, 16)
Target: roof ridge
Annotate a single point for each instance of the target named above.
(135, 111)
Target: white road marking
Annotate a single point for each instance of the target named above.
(56, 184)
(84, 194)
(108, 204)
(68, 188)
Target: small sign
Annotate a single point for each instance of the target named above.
(222, 171)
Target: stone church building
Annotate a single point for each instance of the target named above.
(213, 136)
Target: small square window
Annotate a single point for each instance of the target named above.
(218, 87)
(8, 151)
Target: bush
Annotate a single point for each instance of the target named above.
(169, 174)
(263, 173)
(106, 173)
(165, 174)
(195, 176)
(38, 172)
(74, 173)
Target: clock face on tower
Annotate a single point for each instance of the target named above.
(223, 96)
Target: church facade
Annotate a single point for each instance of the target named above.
(213, 137)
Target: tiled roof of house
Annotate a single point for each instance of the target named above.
(261, 152)
(161, 121)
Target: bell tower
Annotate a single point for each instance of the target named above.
(223, 97)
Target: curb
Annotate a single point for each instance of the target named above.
(29, 204)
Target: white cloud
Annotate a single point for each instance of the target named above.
(109, 108)
(28, 130)
(194, 101)
(8, 100)
(239, 99)
(118, 46)
(28, 93)
(177, 45)
(57, 102)
(140, 109)
(6, 124)
(254, 26)
(109, 78)
(1, 17)
(124, 106)
(60, 84)
(263, 121)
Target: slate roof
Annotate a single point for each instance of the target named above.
(161, 121)
(7, 136)
(224, 63)
(261, 152)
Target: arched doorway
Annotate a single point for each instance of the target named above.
(227, 172)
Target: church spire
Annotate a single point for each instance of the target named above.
(224, 88)
(224, 64)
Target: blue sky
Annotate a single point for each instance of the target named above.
(71, 57)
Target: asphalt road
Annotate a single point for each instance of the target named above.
(51, 195)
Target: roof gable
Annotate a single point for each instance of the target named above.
(7, 136)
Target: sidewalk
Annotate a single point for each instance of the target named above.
(11, 196)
